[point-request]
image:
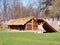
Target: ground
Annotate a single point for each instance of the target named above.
(28, 38)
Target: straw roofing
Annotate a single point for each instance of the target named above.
(20, 21)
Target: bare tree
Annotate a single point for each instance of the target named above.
(17, 10)
(56, 7)
(4, 10)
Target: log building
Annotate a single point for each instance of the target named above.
(29, 23)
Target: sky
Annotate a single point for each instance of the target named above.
(25, 2)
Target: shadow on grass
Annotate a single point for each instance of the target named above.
(49, 32)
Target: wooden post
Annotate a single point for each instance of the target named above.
(18, 28)
(9, 28)
(32, 24)
(26, 27)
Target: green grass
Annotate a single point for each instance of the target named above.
(11, 38)
(26, 38)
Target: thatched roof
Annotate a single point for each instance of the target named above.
(20, 21)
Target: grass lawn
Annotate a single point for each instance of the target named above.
(26, 38)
